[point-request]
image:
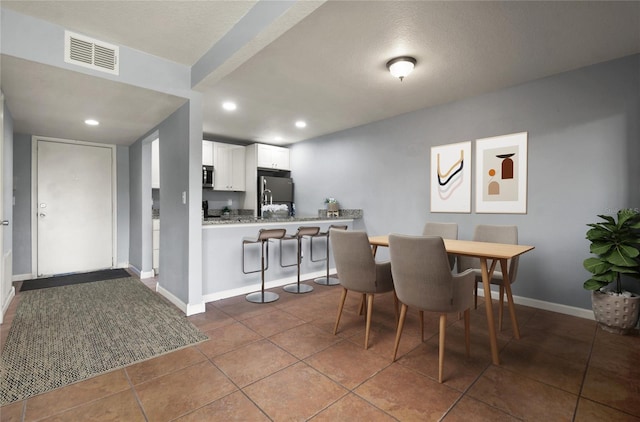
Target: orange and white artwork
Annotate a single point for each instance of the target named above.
(451, 178)
(501, 174)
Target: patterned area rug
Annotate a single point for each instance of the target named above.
(67, 334)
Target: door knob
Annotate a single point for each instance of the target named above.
(5, 222)
(43, 214)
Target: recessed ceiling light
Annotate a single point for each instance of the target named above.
(229, 105)
(301, 124)
(92, 122)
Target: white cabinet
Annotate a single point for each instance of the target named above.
(155, 241)
(155, 164)
(273, 157)
(207, 153)
(228, 167)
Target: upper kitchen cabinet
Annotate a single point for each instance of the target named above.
(228, 167)
(155, 164)
(207, 153)
(273, 157)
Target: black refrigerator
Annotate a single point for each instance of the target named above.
(275, 190)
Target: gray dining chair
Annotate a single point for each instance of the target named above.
(423, 280)
(495, 234)
(358, 271)
(445, 231)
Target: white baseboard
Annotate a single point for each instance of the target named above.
(547, 306)
(11, 294)
(187, 308)
(256, 287)
(142, 274)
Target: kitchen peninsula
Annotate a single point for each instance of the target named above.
(222, 274)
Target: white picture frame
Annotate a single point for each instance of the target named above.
(451, 178)
(501, 174)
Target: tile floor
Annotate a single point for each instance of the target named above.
(280, 361)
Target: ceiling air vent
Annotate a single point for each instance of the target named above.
(90, 53)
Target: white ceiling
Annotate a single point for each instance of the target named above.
(324, 63)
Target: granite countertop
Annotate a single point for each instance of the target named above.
(244, 219)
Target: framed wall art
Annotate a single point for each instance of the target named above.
(501, 174)
(451, 178)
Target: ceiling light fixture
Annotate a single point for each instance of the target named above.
(91, 122)
(401, 66)
(229, 105)
(301, 124)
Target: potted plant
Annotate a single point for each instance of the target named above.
(332, 204)
(615, 242)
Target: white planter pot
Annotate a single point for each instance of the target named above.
(615, 314)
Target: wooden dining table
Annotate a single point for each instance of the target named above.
(486, 252)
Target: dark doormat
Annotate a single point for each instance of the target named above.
(66, 280)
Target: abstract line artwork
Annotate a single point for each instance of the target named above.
(501, 174)
(451, 178)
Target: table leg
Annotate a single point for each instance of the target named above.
(374, 249)
(486, 283)
(507, 287)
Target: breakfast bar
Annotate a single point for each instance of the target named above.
(222, 271)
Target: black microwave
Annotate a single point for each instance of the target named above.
(207, 176)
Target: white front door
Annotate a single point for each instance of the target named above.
(74, 207)
(5, 283)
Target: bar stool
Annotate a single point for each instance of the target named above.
(264, 235)
(326, 281)
(302, 232)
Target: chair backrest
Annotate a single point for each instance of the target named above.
(495, 234)
(355, 264)
(445, 231)
(421, 273)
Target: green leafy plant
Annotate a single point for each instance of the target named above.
(330, 201)
(616, 245)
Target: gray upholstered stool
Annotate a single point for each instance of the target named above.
(263, 238)
(302, 232)
(326, 281)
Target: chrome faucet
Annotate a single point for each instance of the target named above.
(264, 197)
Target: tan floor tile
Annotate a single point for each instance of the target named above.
(211, 319)
(162, 365)
(76, 394)
(348, 364)
(605, 387)
(403, 394)
(562, 325)
(460, 371)
(557, 345)
(523, 397)
(468, 409)
(227, 338)
(352, 408)
(183, 391)
(589, 411)
(382, 340)
(119, 407)
(240, 309)
(295, 393)
(234, 407)
(537, 363)
(253, 362)
(272, 323)
(304, 340)
(12, 412)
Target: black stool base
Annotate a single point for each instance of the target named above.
(298, 288)
(262, 297)
(327, 281)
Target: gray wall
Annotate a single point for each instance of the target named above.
(582, 158)
(22, 208)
